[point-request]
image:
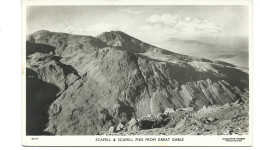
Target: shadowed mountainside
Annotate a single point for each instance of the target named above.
(39, 96)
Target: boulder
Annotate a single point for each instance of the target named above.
(120, 127)
(210, 120)
(169, 111)
(147, 122)
(111, 129)
(181, 123)
(132, 125)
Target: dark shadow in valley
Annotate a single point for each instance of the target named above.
(39, 96)
(36, 47)
(235, 77)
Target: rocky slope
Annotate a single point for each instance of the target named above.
(225, 119)
(84, 85)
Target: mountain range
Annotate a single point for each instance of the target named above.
(77, 84)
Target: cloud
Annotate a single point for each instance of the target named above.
(181, 24)
(66, 27)
(102, 27)
(132, 10)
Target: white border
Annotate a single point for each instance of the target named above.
(201, 140)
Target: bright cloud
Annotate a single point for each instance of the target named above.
(132, 10)
(180, 24)
(103, 27)
(65, 27)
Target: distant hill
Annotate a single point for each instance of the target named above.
(236, 56)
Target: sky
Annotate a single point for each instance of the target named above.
(142, 21)
(222, 24)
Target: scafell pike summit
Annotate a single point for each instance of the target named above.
(89, 85)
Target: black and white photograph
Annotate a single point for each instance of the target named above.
(137, 70)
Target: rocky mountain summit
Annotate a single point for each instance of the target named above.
(79, 84)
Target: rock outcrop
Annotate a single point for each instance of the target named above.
(93, 83)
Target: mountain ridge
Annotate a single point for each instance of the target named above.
(143, 49)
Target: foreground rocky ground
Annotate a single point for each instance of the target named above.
(228, 119)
